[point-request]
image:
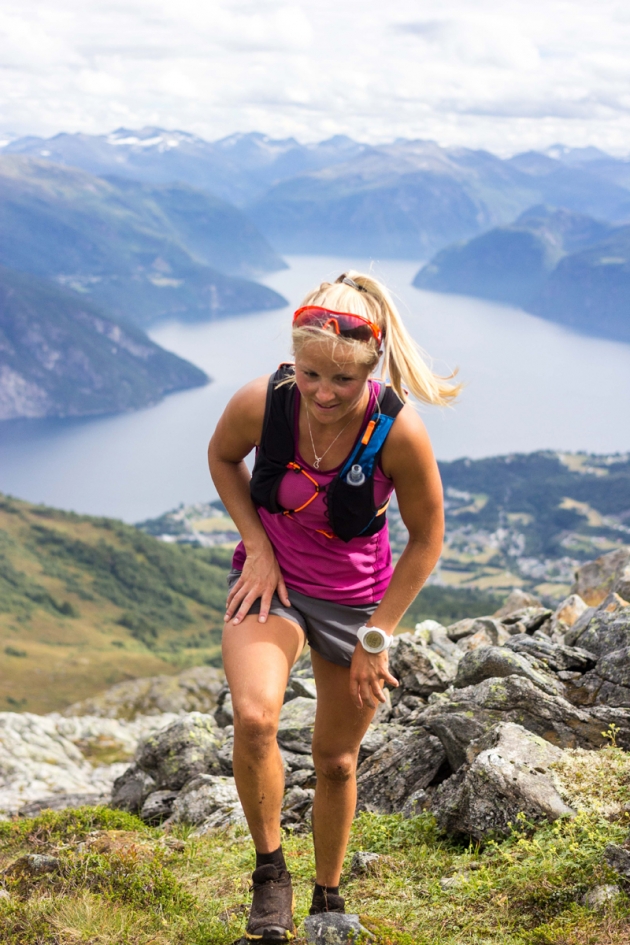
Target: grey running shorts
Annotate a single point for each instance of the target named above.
(330, 628)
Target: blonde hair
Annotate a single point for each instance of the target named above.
(404, 363)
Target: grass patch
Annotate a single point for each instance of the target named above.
(119, 881)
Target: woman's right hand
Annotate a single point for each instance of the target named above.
(260, 577)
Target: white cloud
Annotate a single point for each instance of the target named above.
(502, 74)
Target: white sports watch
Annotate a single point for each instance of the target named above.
(373, 639)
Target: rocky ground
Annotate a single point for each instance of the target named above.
(497, 722)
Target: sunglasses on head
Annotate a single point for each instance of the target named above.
(344, 324)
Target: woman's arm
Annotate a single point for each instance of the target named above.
(409, 461)
(237, 433)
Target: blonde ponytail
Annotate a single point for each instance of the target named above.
(404, 363)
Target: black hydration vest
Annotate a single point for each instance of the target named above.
(350, 495)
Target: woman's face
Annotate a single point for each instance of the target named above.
(331, 387)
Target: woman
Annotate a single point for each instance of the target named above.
(314, 564)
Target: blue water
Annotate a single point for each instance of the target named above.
(529, 385)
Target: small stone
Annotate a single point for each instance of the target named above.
(452, 882)
(333, 928)
(36, 864)
(363, 862)
(4, 894)
(597, 897)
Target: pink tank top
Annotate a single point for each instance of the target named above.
(355, 572)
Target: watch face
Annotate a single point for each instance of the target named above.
(373, 639)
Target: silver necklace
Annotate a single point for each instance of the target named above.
(318, 459)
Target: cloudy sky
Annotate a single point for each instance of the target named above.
(501, 74)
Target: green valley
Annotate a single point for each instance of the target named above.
(86, 602)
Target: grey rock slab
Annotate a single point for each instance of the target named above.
(517, 699)
(615, 667)
(557, 657)
(333, 928)
(295, 728)
(488, 662)
(403, 765)
(377, 736)
(530, 619)
(456, 731)
(204, 797)
(185, 749)
(131, 789)
(418, 668)
(158, 806)
(509, 774)
(606, 633)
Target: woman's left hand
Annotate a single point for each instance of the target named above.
(368, 673)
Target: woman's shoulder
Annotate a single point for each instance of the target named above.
(246, 408)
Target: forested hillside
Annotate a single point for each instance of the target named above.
(86, 602)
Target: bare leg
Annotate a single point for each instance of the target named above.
(258, 659)
(339, 728)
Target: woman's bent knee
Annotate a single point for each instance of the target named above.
(339, 768)
(255, 724)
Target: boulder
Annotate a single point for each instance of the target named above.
(517, 699)
(419, 669)
(297, 720)
(392, 773)
(208, 801)
(606, 632)
(528, 620)
(567, 613)
(508, 774)
(131, 789)
(517, 600)
(485, 632)
(434, 635)
(461, 629)
(495, 661)
(596, 579)
(180, 752)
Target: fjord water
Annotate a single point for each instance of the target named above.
(530, 385)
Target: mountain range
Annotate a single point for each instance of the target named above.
(566, 267)
(405, 199)
(144, 252)
(141, 226)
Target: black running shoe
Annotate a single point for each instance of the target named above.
(271, 915)
(325, 901)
